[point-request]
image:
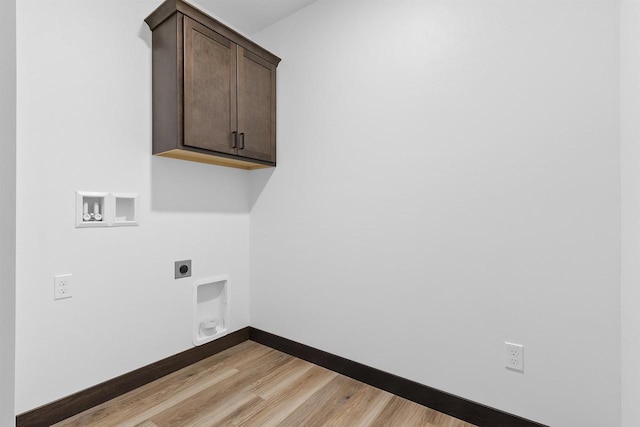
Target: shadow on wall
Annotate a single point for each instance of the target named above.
(258, 182)
(145, 35)
(183, 186)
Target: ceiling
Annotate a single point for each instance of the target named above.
(251, 16)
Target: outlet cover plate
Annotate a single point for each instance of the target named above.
(514, 356)
(62, 286)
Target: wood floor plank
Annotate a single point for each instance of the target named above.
(444, 420)
(418, 415)
(283, 403)
(398, 412)
(129, 420)
(275, 382)
(226, 408)
(132, 414)
(362, 409)
(280, 378)
(210, 370)
(240, 414)
(209, 400)
(321, 406)
(254, 385)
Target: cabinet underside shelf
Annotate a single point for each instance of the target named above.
(212, 160)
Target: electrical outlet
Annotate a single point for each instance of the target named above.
(514, 358)
(182, 269)
(62, 286)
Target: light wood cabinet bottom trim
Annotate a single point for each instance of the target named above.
(213, 160)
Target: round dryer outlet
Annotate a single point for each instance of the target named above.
(183, 269)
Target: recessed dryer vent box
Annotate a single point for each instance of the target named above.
(210, 309)
(96, 209)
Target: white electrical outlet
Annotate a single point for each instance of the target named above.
(62, 286)
(514, 358)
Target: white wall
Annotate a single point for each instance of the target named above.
(630, 154)
(84, 123)
(448, 179)
(7, 210)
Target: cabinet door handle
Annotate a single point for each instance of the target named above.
(242, 140)
(234, 140)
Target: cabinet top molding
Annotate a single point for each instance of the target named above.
(169, 7)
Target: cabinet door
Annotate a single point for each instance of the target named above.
(209, 89)
(256, 107)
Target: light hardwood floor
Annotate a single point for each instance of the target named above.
(254, 385)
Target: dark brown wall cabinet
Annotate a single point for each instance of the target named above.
(214, 91)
